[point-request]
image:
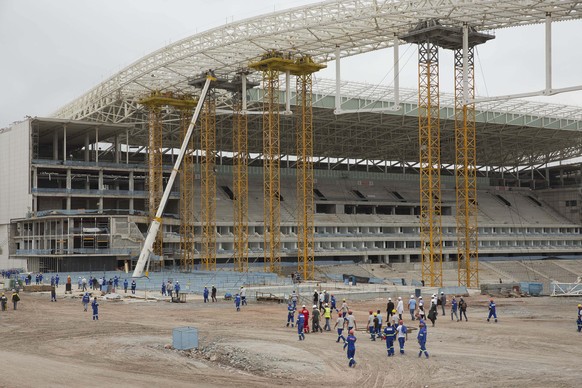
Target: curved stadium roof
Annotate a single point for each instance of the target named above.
(509, 133)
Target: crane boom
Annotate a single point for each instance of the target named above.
(146, 250)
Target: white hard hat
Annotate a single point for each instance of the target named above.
(303, 306)
(412, 296)
(389, 298)
(399, 298)
(442, 292)
(420, 297)
(314, 306)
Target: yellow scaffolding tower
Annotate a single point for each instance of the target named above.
(155, 181)
(305, 223)
(429, 145)
(466, 173)
(187, 218)
(240, 184)
(208, 182)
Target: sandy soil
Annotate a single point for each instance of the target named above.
(535, 344)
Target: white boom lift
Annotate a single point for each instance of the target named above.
(148, 244)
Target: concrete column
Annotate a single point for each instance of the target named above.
(386, 259)
(64, 142)
(131, 182)
(55, 145)
(407, 259)
(100, 204)
(96, 144)
(446, 257)
(68, 202)
(131, 205)
(100, 185)
(117, 149)
(87, 147)
(69, 179)
(365, 257)
(561, 177)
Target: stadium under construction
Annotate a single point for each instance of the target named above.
(284, 169)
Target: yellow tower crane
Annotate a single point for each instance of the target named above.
(184, 103)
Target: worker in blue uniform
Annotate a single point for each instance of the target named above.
(125, 284)
(332, 300)
(340, 323)
(300, 324)
(57, 278)
(133, 286)
(351, 345)
(237, 302)
(163, 288)
(492, 310)
(290, 314)
(86, 299)
(177, 288)
(95, 307)
(389, 334)
(205, 293)
(421, 337)
(579, 320)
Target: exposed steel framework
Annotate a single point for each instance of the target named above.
(466, 173)
(155, 181)
(241, 189)
(208, 181)
(429, 146)
(187, 217)
(305, 208)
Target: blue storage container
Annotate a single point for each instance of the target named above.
(185, 338)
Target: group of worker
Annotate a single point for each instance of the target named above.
(347, 321)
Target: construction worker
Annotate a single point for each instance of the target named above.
(95, 307)
(315, 327)
(237, 302)
(125, 284)
(300, 326)
(163, 288)
(578, 321)
(321, 296)
(379, 326)
(389, 308)
(3, 301)
(351, 321)
(443, 301)
(400, 308)
(315, 297)
(412, 306)
(205, 293)
(305, 313)
(454, 309)
(332, 301)
(15, 298)
(53, 293)
(371, 326)
(389, 335)
(84, 284)
(432, 314)
(351, 345)
(421, 337)
(462, 309)
(177, 289)
(243, 296)
(57, 278)
(294, 299)
(290, 314)
(421, 313)
(86, 299)
(492, 310)
(344, 308)
(133, 286)
(327, 316)
(339, 324)
(402, 335)
(213, 294)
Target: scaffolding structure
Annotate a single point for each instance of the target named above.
(304, 69)
(208, 181)
(187, 217)
(155, 181)
(240, 184)
(430, 163)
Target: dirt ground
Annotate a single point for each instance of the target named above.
(44, 344)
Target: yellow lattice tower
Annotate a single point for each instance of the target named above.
(187, 218)
(208, 182)
(466, 173)
(271, 65)
(241, 188)
(155, 181)
(305, 217)
(429, 144)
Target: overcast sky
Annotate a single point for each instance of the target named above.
(54, 51)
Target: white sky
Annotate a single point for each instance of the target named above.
(54, 51)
